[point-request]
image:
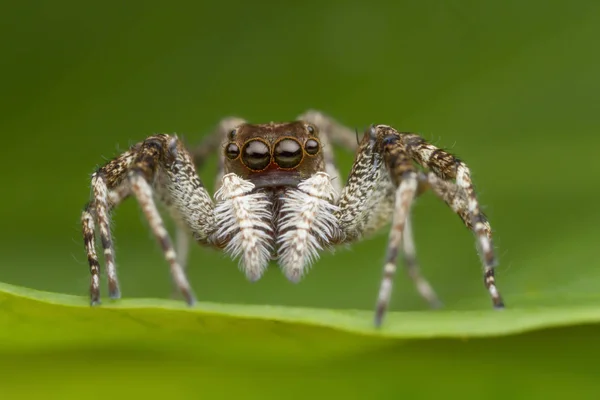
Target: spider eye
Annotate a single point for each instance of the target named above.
(256, 155)
(288, 153)
(232, 151)
(310, 129)
(311, 146)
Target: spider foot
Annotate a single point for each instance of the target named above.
(385, 293)
(188, 296)
(190, 300)
(490, 282)
(425, 289)
(114, 292)
(498, 303)
(436, 304)
(95, 285)
(379, 314)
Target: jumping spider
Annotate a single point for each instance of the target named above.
(279, 197)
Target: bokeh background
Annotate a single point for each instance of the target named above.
(511, 87)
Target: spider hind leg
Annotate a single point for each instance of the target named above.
(413, 270)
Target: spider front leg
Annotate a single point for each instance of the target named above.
(456, 198)
(405, 178)
(333, 132)
(371, 196)
(384, 181)
(160, 165)
(199, 155)
(104, 200)
(451, 179)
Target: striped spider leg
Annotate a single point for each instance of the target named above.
(367, 200)
(385, 180)
(159, 167)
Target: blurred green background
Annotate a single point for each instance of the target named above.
(511, 87)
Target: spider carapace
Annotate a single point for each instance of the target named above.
(279, 198)
(275, 154)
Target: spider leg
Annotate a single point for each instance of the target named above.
(367, 200)
(382, 183)
(412, 267)
(165, 162)
(331, 133)
(158, 166)
(212, 143)
(199, 154)
(143, 192)
(337, 133)
(106, 200)
(89, 237)
(457, 200)
(460, 196)
(182, 249)
(404, 197)
(405, 178)
(99, 209)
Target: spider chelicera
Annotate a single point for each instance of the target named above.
(279, 198)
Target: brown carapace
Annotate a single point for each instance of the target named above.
(275, 154)
(279, 199)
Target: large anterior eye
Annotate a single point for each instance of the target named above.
(256, 155)
(288, 153)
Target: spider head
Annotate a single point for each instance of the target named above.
(275, 154)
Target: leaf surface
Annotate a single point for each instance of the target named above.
(155, 347)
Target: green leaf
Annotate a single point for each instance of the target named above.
(161, 348)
